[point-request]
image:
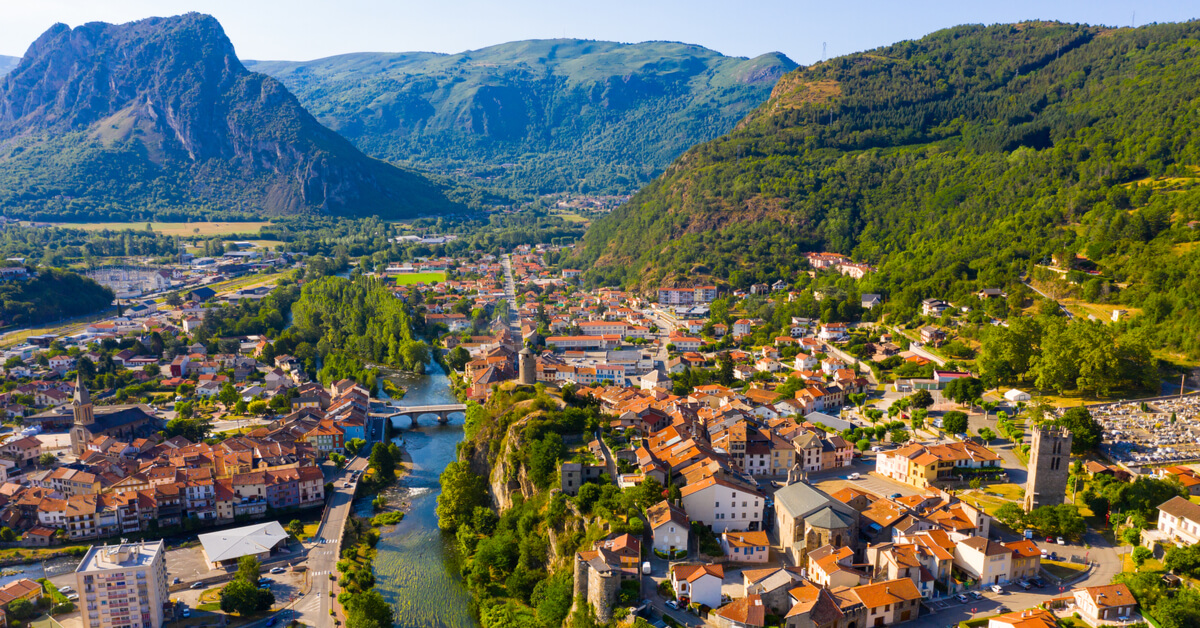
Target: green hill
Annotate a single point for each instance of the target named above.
(159, 118)
(534, 116)
(953, 162)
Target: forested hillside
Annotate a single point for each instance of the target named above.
(954, 162)
(535, 116)
(160, 118)
(52, 295)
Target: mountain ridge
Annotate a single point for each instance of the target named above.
(166, 104)
(962, 160)
(534, 116)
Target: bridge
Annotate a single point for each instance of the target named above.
(441, 412)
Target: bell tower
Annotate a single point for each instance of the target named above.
(81, 405)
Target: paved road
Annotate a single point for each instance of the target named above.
(510, 294)
(313, 608)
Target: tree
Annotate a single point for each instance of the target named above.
(1183, 560)
(858, 399)
(21, 609)
(457, 358)
(462, 491)
(249, 569)
(368, 610)
(920, 399)
(986, 435)
(295, 528)
(258, 407)
(47, 459)
(863, 444)
(1086, 432)
(353, 445)
(382, 463)
(954, 421)
(1140, 555)
(228, 395)
(239, 597)
(543, 459)
(1011, 515)
(899, 436)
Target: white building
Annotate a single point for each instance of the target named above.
(123, 586)
(1179, 521)
(670, 527)
(723, 505)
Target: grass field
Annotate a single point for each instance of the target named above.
(1061, 569)
(409, 279)
(172, 228)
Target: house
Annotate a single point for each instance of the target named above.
(772, 585)
(1110, 603)
(1026, 559)
(889, 602)
(23, 589)
(984, 559)
(742, 327)
(23, 451)
(698, 584)
(746, 547)
(830, 566)
(1179, 521)
(870, 300)
(989, 293)
(723, 504)
(747, 612)
(1030, 618)
(833, 332)
(625, 547)
(1015, 396)
(933, 307)
(932, 335)
(669, 526)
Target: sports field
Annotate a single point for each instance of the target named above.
(407, 279)
(172, 228)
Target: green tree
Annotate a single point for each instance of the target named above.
(462, 491)
(899, 436)
(228, 395)
(47, 459)
(1086, 432)
(21, 609)
(543, 459)
(249, 569)
(258, 407)
(955, 422)
(368, 610)
(239, 597)
(1011, 515)
(920, 399)
(382, 463)
(295, 528)
(1140, 555)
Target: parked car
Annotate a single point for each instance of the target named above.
(177, 581)
(198, 585)
(74, 597)
(187, 612)
(961, 597)
(1049, 539)
(64, 589)
(895, 496)
(853, 476)
(1025, 585)
(673, 604)
(1060, 541)
(271, 621)
(997, 588)
(1003, 609)
(277, 570)
(977, 595)
(1038, 582)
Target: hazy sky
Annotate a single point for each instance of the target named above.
(308, 29)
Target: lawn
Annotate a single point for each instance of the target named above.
(408, 279)
(173, 228)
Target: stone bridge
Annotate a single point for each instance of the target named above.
(381, 414)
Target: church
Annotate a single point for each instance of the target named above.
(121, 422)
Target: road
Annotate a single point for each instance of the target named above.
(1045, 296)
(313, 608)
(510, 294)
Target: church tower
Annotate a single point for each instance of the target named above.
(81, 405)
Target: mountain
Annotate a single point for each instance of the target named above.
(958, 161)
(158, 117)
(7, 64)
(535, 116)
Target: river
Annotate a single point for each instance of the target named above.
(416, 566)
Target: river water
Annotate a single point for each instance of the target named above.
(416, 565)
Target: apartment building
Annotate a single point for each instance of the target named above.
(123, 586)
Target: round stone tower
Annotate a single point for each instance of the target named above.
(527, 367)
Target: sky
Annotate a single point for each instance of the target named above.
(307, 29)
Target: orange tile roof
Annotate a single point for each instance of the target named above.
(889, 592)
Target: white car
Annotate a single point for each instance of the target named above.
(1060, 541)
(64, 589)
(853, 476)
(277, 570)
(997, 588)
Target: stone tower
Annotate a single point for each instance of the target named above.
(1049, 467)
(81, 407)
(527, 367)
